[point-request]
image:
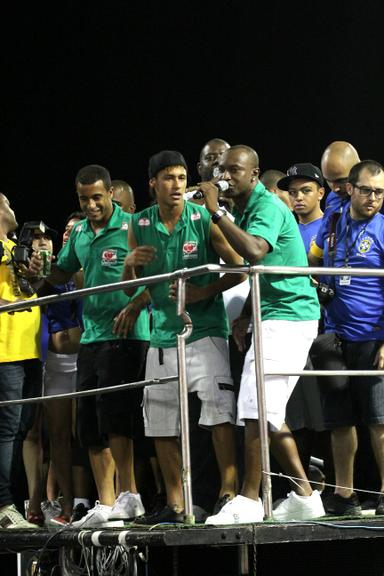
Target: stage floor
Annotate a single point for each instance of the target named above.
(268, 532)
(332, 546)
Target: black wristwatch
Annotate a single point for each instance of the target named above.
(218, 214)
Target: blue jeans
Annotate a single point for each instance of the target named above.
(13, 379)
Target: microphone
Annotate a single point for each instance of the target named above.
(221, 185)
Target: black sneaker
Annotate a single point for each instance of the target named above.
(222, 501)
(380, 506)
(336, 505)
(79, 512)
(166, 515)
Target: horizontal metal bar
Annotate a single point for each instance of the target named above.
(325, 373)
(190, 273)
(93, 391)
(146, 281)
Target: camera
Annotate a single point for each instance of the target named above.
(23, 248)
(325, 293)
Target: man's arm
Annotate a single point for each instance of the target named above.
(251, 248)
(138, 257)
(124, 322)
(44, 286)
(195, 293)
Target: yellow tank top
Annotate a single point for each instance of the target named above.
(19, 332)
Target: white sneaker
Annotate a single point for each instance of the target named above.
(240, 510)
(296, 507)
(10, 517)
(127, 507)
(95, 517)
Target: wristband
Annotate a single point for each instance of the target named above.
(218, 214)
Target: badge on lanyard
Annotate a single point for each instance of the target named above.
(345, 280)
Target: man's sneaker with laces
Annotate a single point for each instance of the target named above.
(50, 509)
(165, 516)
(127, 507)
(336, 505)
(94, 518)
(10, 518)
(296, 507)
(240, 510)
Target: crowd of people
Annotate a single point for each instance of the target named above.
(116, 457)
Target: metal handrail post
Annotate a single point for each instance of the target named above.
(189, 517)
(260, 390)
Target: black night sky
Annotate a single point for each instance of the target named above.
(116, 82)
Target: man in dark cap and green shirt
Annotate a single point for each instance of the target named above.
(171, 235)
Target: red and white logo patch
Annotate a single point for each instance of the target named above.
(144, 222)
(190, 249)
(195, 216)
(109, 258)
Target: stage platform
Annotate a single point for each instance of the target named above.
(331, 546)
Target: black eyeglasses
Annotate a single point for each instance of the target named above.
(367, 191)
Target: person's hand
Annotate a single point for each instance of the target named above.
(34, 268)
(124, 322)
(379, 358)
(140, 256)
(211, 196)
(193, 293)
(239, 331)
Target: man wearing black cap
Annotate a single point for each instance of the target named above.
(266, 232)
(305, 186)
(171, 235)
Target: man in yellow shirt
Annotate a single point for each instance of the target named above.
(19, 358)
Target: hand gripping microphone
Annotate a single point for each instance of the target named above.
(221, 185)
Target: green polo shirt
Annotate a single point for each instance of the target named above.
(187, 246)
(282, 297)
(101, 257)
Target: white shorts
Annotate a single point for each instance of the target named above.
(208, 374)
(285, 347)
(59, 374)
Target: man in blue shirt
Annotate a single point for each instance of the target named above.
(337, 160)
(356, 314)
(305, 186)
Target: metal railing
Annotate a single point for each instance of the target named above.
(180, 276)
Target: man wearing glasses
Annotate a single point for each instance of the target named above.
(356, 313)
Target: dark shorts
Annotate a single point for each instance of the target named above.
(362, 401)
(108, 364)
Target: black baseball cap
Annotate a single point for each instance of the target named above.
(304, 170)
(165, 159)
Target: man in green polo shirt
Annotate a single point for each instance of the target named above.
(265, 232)
(113, 345)
(171, 235)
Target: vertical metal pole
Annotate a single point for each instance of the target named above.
(260, 389)
(183, 396)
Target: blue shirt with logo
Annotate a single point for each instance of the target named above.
(357, 310)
